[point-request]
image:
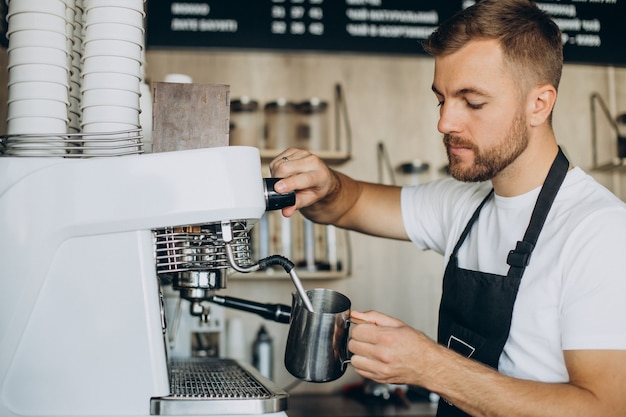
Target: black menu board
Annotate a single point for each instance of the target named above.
(594, 31)
(384, 26)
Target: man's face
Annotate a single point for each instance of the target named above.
(481, 115)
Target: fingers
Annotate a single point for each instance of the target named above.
(387, 354)
(377, 318)
(287, 164)
(303, 172)
(279, 163)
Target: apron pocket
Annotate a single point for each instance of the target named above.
(464, 341)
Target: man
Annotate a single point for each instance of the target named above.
(532, 318)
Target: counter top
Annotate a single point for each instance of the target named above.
(339, 405)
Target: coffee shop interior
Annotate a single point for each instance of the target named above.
(371, 115)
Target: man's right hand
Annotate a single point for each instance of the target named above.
(306, 174)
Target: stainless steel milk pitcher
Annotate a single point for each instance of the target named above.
(317, 343)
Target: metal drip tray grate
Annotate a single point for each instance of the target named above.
(218, 386)
(215, 379)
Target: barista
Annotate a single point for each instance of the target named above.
(532, 313)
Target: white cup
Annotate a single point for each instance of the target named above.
(35, 37)
(52, 146)
(38, 72)
(36, 125)
(114, 15)
(112, 47)
(117, 31)
(38, 90)
(55, 7)
(110, 114)
(111, 80)
(178, 78)
(111, 64)
(37, 108)
(136, 5)
(38, 55)
(40, 21)
(110, 128)
(109, 97)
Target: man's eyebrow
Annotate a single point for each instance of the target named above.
(463, 92)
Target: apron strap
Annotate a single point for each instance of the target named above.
(519, 258)
(468, 227)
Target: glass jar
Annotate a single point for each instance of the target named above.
(280, 124)
(312, 131)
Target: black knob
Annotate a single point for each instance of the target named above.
(274, 200)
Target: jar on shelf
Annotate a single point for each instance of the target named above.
(246, 127)
(312, 130)
(280, 124)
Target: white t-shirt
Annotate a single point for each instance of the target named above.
(573, 293)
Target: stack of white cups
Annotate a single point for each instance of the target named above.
(113, 44)
(75, 36)
(38, 58)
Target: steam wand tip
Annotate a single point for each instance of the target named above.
(289, 268)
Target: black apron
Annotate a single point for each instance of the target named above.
(476, 307)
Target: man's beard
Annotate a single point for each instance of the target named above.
(490, 162)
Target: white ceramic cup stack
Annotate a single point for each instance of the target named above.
(113, 45)
(38, 96)
(75, 38)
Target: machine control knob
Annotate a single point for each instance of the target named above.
(274, 200)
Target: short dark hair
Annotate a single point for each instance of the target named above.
(530, 40)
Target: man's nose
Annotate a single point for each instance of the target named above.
(449, 119)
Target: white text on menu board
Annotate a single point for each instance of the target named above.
(367, 18)
(297, 17)
(193, 17)
(576, 31)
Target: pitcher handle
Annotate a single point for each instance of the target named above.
(347, 353)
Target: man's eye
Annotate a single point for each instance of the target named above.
(440, 103)
(475, 106)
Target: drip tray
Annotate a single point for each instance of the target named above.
(212, 386)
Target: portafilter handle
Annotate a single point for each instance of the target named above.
(274, 200)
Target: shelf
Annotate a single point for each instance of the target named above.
(330, 157)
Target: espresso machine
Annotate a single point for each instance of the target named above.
(88, 246)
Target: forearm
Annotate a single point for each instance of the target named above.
(343, 194)
(364, 207)
(388, 351)
(482, 391)
(329, 197)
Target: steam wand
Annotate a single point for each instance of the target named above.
(227, 236)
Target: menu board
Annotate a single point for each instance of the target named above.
(594, 31)
(385, 26)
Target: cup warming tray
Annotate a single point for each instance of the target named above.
(213, 386)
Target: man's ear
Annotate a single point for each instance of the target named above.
(541, 101)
